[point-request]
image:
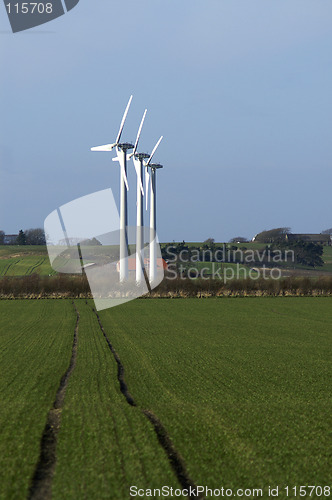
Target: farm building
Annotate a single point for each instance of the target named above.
(323, 239)
(10, 239)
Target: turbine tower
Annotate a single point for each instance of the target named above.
(153, 223)
(153, 214)
(121, 152)
(138, 159)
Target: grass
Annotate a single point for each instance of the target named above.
(24, 260)
(24, 266)
(35, 348)
(327, 257)
(104, 444)
(242, 385)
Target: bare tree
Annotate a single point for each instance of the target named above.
(209, 241)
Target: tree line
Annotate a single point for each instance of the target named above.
(305, 253)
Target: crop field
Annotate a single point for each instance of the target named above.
(242, 385)
(217, 392)
(24, 266)
(105, 445)
(15, 250)
(327, 257)
(35, 344)
(24, 261)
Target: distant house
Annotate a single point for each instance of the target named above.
(10, 239)
(323, 239)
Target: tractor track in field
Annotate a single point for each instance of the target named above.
(41, 482)
(175, 459)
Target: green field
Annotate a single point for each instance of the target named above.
(327, 257)
(35, 343)
(26, 265)
(24, 260)
(12, 250)
(241, 386)
(108, 443)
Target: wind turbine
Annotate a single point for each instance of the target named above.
(153, 217)
(138, 159)
(121, 156)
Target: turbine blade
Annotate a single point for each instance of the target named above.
(123, 173)
(123, 120)
(137, 165)
(121, 159)
(153, 151)
(147, 182)
(106, 147)
(139, 132)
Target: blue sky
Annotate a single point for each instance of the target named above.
(241, 91)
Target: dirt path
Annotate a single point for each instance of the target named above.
(175, 459)
(41, 482)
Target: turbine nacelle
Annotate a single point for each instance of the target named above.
(124, 146)
(154, 166)
(142, 156)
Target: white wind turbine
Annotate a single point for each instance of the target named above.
(121, 152)
(153, 214)
(138, 159)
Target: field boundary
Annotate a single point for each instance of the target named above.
(41, 482)
(72, 287)
(175, 459)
